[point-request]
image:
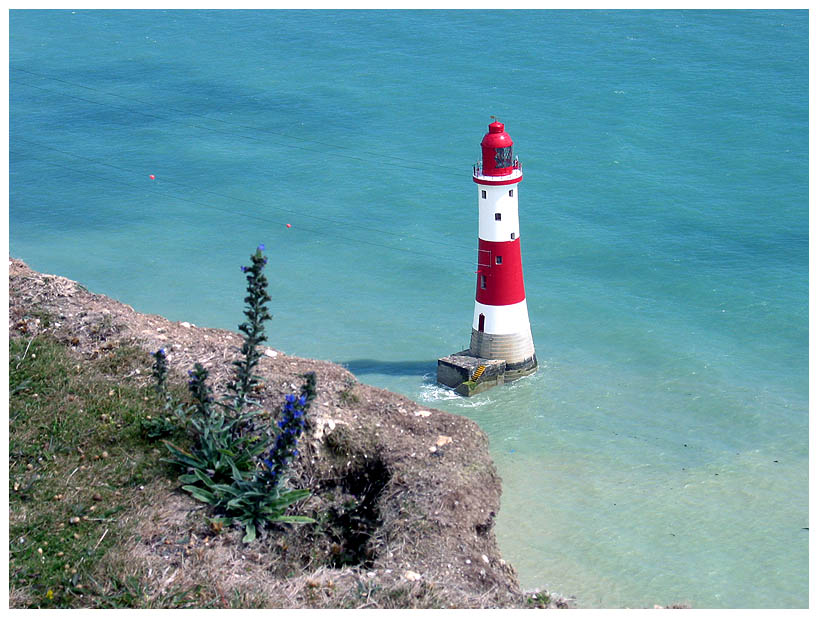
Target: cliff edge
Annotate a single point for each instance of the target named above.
(405, 496)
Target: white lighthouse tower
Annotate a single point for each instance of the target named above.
(501, 346)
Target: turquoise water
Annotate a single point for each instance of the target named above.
(660, 453)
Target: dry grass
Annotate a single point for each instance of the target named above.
(399, 525)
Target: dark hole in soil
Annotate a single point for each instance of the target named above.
(483, 529)
(356, 518)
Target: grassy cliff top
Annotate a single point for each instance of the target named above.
(404, 497)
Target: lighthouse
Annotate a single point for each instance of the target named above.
(501, 346)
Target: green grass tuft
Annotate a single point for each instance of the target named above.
(77, 460)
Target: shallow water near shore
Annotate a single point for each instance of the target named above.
(660, 453)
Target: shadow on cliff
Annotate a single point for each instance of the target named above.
(397, 369)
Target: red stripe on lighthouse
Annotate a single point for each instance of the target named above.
(500, 278)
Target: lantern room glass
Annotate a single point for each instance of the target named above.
(503, 157)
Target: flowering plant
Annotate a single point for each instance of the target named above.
(174, 414)
(264, 497)
(219, 449)
(254, 330)
(224, 466)
(291, 425)
(159, 370)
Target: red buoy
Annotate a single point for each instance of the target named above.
(151, 176)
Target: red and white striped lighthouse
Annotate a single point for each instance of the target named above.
(501, 324)
(501, 347)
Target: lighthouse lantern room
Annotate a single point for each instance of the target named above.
(501, 346)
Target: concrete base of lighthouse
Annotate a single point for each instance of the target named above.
(463, 372)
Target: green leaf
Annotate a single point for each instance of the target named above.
(201, 494)
(226, 489)
(227, 453)
(250, 532)
(202, 477)
(294, 519)
(181, 457)
(237, 475)
(234, 503)
(289, 497)
(295, 494)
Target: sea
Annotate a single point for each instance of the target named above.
(660, 454)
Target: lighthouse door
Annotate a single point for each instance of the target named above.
(481, 323)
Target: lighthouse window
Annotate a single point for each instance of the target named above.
(484, 282)
(512, 236)
(483, 193)
(503, 157)
(497, 217)
(512, 193)
(497, 260)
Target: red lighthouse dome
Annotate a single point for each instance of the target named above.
(497, 151)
